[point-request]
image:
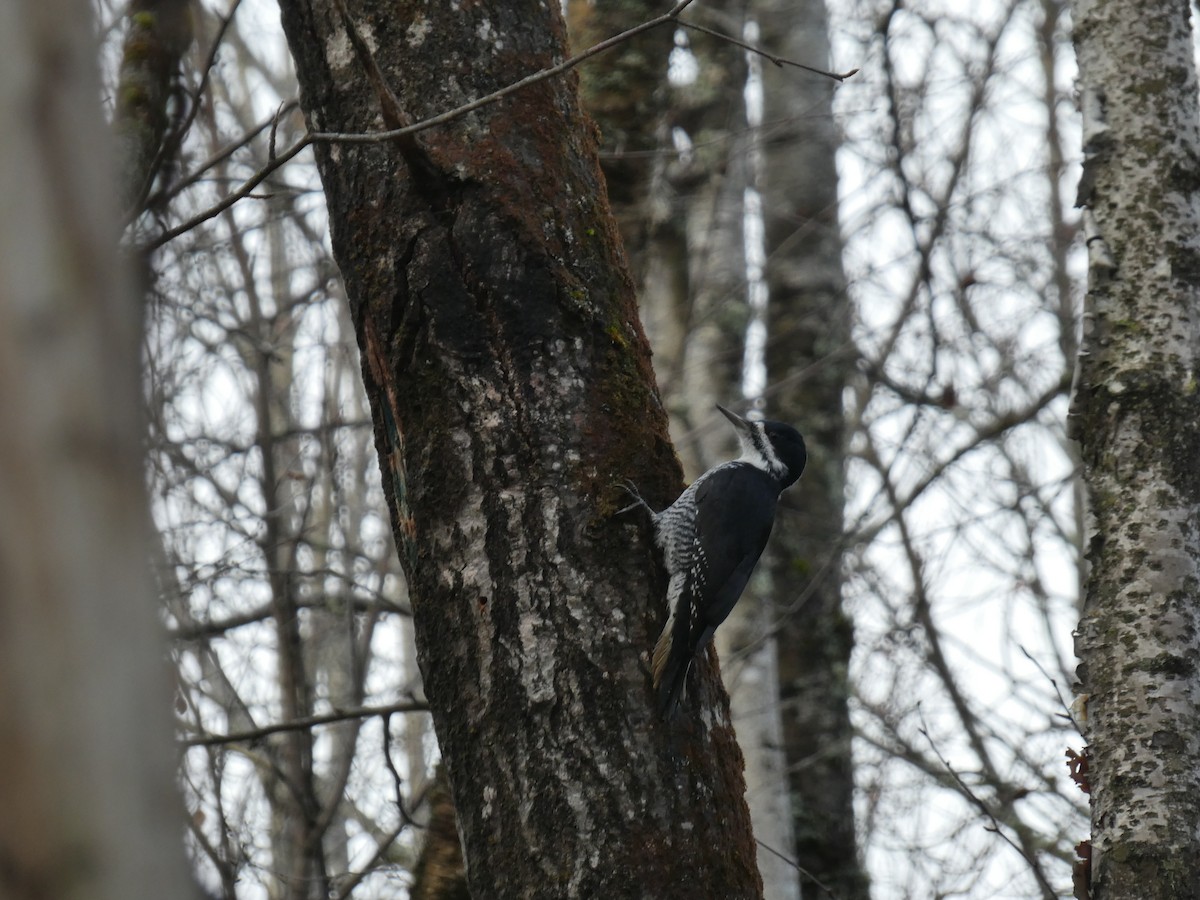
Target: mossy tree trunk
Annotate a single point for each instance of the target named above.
(1137, 418)
(512, 392)
(158, 34)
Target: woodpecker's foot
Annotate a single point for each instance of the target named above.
(629, 488)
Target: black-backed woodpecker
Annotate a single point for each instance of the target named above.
(711, 538)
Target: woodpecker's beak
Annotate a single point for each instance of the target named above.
(738, 422)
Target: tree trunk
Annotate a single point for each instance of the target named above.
(512, 394)
(696, 301)
(809, 361)
(159, 34)
(1137, 418)
(88, 806)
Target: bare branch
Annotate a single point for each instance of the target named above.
(777, 60)
(244, 191)
(306, 722)
(968, 793)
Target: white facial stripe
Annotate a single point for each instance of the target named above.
(757, 450)
(774, 465)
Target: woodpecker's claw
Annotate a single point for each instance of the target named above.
(631, 489)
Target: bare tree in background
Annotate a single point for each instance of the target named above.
(300, 707)
(1137, 419)
(88, 808)
(809, 363)
(963, 526)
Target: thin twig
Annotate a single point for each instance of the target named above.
(275, 130)
(382, 847)
(979, 803)
(778, 60)
(799, 868)
(1057, 690)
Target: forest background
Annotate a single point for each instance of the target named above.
(893, 260)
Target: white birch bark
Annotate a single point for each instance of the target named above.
(1137, 418)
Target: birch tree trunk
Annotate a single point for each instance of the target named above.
(88, 806)
(1137, 418)
(512, 393)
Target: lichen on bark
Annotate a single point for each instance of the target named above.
(1137, 418)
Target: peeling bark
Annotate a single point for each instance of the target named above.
(512, 392)
(1136, 415)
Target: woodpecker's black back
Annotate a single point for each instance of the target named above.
(712, 537)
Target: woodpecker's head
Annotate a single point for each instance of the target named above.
(774, 447)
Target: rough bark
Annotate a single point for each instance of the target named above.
(1136, 415)
(511, 391)
(88, 807)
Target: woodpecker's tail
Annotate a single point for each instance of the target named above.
(671, 661)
